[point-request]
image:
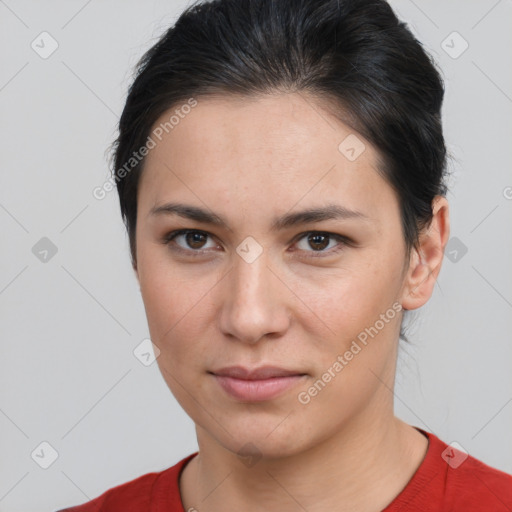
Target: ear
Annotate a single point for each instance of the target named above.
(425, 262)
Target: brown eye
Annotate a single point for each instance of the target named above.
(318, 242)
(195, 240)
(191, 240)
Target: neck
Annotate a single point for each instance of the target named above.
(362, 467)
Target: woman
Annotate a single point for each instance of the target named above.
(280, 167)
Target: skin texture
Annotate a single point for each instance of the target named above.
(298, 305)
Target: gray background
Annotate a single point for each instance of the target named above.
(70, 324)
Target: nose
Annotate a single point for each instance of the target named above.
(255, 301)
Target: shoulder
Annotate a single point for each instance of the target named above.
(466, 482)
(474, 482)
(138, 494)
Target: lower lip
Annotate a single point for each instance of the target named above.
(257, 390)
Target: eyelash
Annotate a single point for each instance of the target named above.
(344, 241)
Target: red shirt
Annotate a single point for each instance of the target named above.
(447, 480)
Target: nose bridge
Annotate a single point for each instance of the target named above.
(252, 306)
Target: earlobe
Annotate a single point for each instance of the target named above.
(426, 259)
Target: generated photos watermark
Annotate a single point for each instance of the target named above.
(156, 136)
(305, 397)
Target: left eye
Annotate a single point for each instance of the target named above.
(195, 239)
(320, 240)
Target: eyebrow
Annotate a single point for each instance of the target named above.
(310, 215)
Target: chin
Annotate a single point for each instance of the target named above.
(257, 438)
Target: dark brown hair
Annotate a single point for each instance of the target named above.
(354, 54)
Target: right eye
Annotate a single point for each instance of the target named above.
(191, 237)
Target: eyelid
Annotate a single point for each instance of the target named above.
(343, 241)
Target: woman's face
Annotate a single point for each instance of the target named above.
(260, 288)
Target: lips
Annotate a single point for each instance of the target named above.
(257, 384)
(261, 373)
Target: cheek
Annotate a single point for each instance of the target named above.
(346, 303)
(358, 354)
(175, 301)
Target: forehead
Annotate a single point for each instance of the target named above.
(278, 126)
(280, 147)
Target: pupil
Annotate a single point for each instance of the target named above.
(191, 240)
(324, 245)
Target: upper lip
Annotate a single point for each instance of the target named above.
(263, 372)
